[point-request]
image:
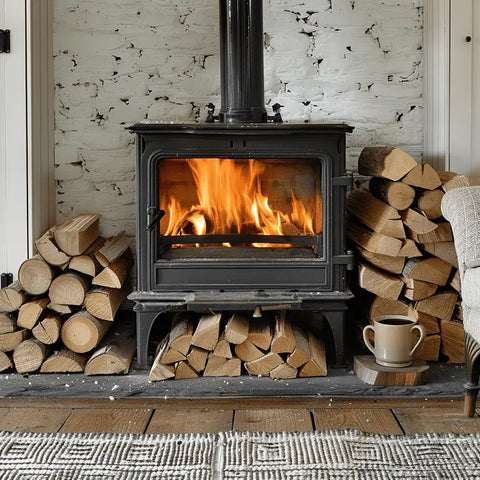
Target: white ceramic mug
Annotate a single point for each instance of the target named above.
(394, 338)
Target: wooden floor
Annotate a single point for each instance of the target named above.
(209, 416)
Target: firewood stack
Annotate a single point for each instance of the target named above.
(213, 346)
(55, 318)
(406, 255)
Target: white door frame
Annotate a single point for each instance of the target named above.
(27, 187)
(448, 92)
(14, 218)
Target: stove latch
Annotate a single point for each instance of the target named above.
(348, 259)
(154, 215)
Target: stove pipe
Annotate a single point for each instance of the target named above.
(241, 61)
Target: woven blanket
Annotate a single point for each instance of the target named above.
(238, 455)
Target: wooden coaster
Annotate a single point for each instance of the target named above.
(370, 372)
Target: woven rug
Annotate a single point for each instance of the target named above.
(238, 455)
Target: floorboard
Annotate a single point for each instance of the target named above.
(35, 420)
(288, 420)
(436, 420)
(378, 420)
(107, 421)
(193, 421)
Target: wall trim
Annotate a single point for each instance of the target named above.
(437, 83)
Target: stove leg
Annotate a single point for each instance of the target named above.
(145, 321)
(336, 321)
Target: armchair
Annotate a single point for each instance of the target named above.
(461, 207)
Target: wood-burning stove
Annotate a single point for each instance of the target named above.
(244, 210)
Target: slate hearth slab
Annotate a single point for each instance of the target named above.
(445, 381)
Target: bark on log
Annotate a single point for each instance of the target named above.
(386, 162)
(64, 361)
(397, 194)
(103, 302)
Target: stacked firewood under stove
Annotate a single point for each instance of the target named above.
(55, 318)
(216, 345)
(406, 255)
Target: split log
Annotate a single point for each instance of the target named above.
(429, 349)
(12, 298)
(429, 203)
(385, 262)
(82, 332)
(35, 275)
(440, 306)
(247, 351)
(301, 355)
(446, 176)
(61, 309)
(9, 341)
(260, 333)
(116, 273)
(184, 370)
(88, 263)
(103, 302)
(380, 283)
(115, 353)
(393, 228)
(461, 181)
(76, 235)
(113, 248)
(222, 348)
(384, 306)
(8, 324)
(417, 222)
(444, 250)
(29, 355)
(418, 290)
(171, 356)
(64, 361)
(430, 323)
(317, 365)
(423, 176)
(69, 289)
(409, 249)
(181, 332)
(30, 312)
(371, 211)
(197, 358)
(453, 341)
(159, 371)
(443, 233)
(431, 270)
(207, 332)
(386, 162)
(373, 242)
(236, 330)
(49, 251)
(284, 372)
(264, 365)
(283, 340)
(222, 367)
(5, 362)
(455, 282)
(397, 194)
(48, 329)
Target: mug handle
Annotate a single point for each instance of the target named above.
(366, 339)
(423, 333)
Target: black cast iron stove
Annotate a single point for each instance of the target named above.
(243, 211)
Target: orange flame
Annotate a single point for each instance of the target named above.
(231, 201)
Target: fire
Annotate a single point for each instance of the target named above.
(230, 201)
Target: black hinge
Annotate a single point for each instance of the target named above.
(4, 41)
(6, 279)
(344, 181)
(348, 259)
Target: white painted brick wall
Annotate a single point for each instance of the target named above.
(121, 61)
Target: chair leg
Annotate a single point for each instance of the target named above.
(472, 363)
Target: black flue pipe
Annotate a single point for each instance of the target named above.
(241, 61)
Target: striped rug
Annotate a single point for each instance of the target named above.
(237, 455)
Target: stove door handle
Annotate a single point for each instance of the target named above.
(153, 217)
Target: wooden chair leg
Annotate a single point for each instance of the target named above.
(472, 363)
